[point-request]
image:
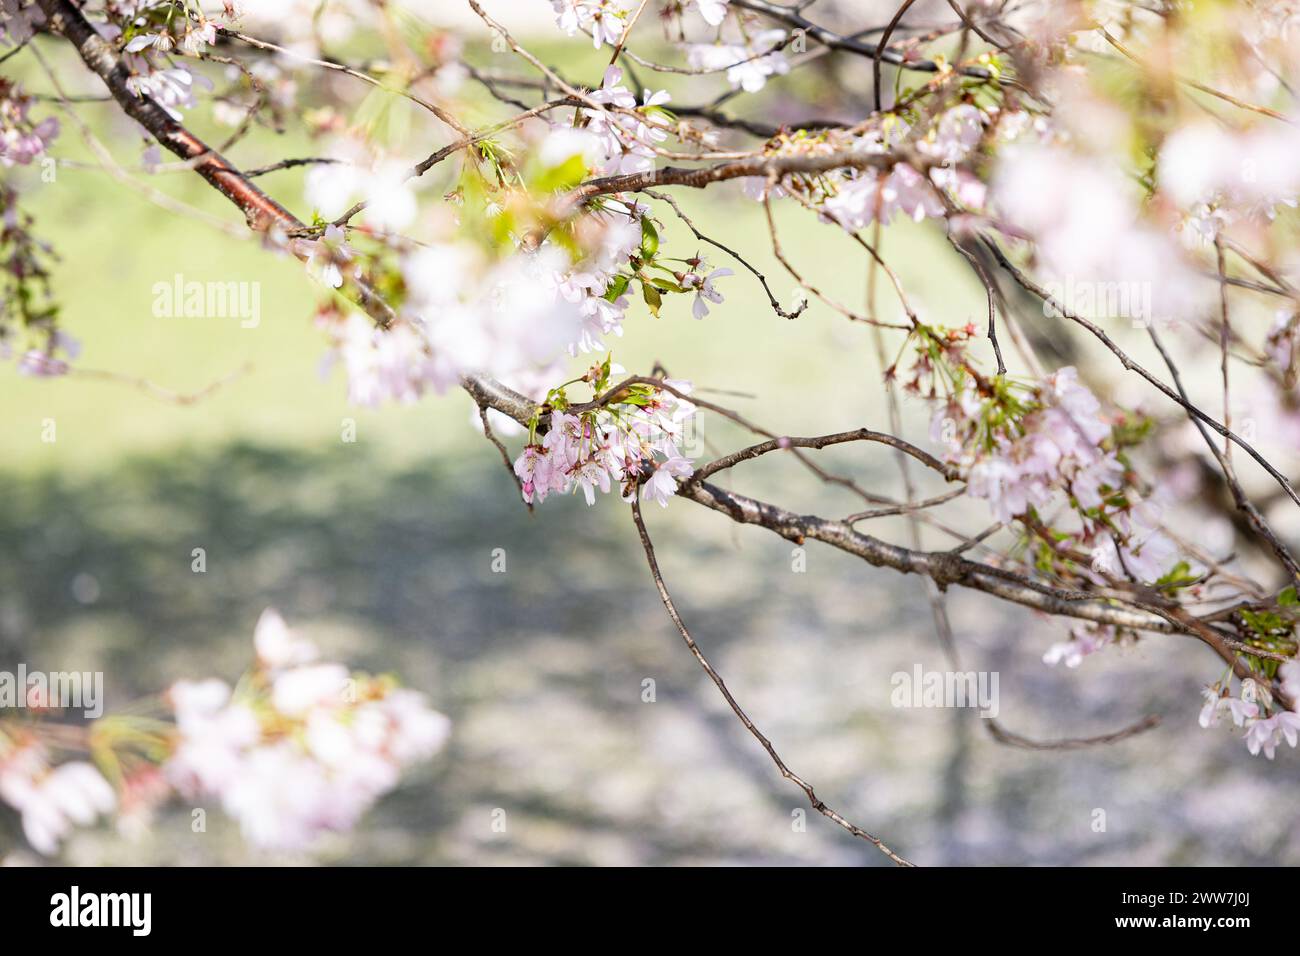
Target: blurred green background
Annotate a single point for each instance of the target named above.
(381, 550)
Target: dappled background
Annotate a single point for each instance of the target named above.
(382, 549)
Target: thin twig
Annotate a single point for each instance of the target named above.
(758, 735)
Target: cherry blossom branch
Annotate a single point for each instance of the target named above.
(949, 472)
(1057, 584)
(1239, 497)
(945, 568)
(1129, 363)
(762, 279)
(763, 167)
(446, 117)
(260, 211)
(791, 17)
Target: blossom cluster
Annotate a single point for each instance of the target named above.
(748, 65)
(1085, 640)
(1022, 448)
(19, 21)
(1017, 451)
(1220, 176)
(513, 318)
(603, 20)
(22, 139)
(298, 748)
(856, 198)
(50, 799)
(463, 315)
(195, 36)
(147, 38)
(1266, 722)
(624, 135)
(302, 747)
(621, 444)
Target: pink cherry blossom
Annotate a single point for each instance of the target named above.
(1266, 734)
(279, 647)
(747, 67)
(51, 801)
(705, 291)
(713, 11)
(662, 483)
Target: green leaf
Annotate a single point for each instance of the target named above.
(604, 372)
(1288, 597)
(652, 298)
(617, 286)
(1178, 576)
(562, 177)
(649, 238)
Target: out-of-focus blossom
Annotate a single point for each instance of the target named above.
(957, 132)
(462, 317)
(713, 11)
(603, 20)
(51, 801)
(1091, 239)
(277, 646)
(19, 21)
(1085, 640)
(212, 736)
(871, 195)
(1289, 675)
(747, 67)
(360, 174)
(1219, 175)
(1265, 735)
(304, 748)
(303, 26)
(46, 363)
(22, 139)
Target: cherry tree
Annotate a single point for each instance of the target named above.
(1111, 173)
